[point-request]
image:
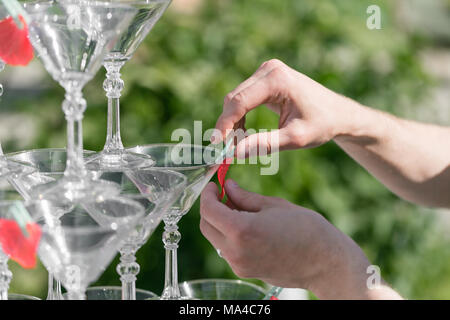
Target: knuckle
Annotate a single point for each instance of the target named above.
(228, 98)
(298, 138)
(273, 63)
(279, 74)
(239, 99)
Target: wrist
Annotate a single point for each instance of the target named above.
(356, 122)
(345, 275)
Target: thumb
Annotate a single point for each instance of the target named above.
(242, 199)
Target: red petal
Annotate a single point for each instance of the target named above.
(221, 173)
(15, 47)
(16, 245)
(274, 298)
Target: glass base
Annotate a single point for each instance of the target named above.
(118, 159)
(75, 188)
(169, 294)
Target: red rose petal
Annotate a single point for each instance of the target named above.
(221, 173)
(18, 247)
(15, 47)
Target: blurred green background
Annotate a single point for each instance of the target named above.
(201, 50)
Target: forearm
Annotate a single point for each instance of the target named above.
(411, 159)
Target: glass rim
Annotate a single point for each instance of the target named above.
(20, 295)
(15, 153)
(227, 281)
(93, 228)
(26, 167)
(118, 288)
(11, 157)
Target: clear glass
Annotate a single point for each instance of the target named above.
(50, 165)
(155, 189)
(115, 293)
(71, 38)
(198, 164)
(77, 246)
(113, 154)
(221, 289)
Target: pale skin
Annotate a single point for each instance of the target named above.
(290, 246)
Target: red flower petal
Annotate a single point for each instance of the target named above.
(221, 173)
(15, 47)
(16, 245)
(274, 298)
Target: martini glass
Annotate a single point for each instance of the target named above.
(113, 153)
(72, 37)
(50, 165)
(156, 189)
(198, 164)
(221, 289)
(75, 247)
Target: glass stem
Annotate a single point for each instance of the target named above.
(73, 106)
(171, 237)
(128, 269)
(113, 85)
(5, 276)
(54, 288)
(50, 290)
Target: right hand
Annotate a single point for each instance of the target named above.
(310, 114)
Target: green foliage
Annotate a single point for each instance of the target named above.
(190, 61)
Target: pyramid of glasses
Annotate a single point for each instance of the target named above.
(91, 205)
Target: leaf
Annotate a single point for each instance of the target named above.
(221, 174)
(18, 247)
(15, 46)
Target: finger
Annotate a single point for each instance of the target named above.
(230, 205)
(215, 212)
(261, 91)
(262, 70)
(213, 235)
(242, 199)
(263, 143)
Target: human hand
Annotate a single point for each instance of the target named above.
(282, 244)
(310, 114)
